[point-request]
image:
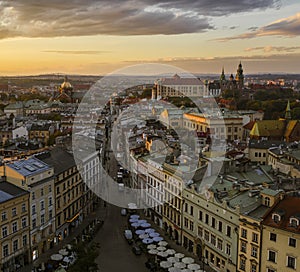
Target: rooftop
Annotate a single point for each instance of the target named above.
(29, 167)
(9, 191)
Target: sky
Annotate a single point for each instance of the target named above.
(99, 37)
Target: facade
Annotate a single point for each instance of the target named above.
(179, 87)
(15, 232)
(281, 234)
(36, 177)
(41, 133)
(226, 127)
(68, 191)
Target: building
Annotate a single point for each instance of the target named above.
(36, 177)
(179, 87)
(68, 191)
(41, 132)
(281, 234)
(15, 232)
(250, 231)
(233, 83)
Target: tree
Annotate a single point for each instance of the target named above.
(86, 258)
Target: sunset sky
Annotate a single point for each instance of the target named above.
(98, 37)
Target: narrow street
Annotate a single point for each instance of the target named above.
(115, 253)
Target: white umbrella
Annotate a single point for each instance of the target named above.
(151, 247)
(149, 230)
(143, 236)
(171, 251)
(179, 255)
(180, 265)
(63, 252)
(165, 264)
(173, 260)
(157, 239)
(188, 260)
(187, 270)
(154, 234)
(174, 269)
(147, 241)
(153, 251)
(142, 221)
(163, 243)
(161, 248)
(56, 257)
(163, 254)
(145, 225)
(194, 266)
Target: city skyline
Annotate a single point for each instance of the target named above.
(100, 37)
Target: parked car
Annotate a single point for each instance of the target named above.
(66, 262)
(136, 250)
(128, 236)
(123, 212)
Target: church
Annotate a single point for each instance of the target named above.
(233, 83)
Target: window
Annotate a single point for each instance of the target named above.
(24, 240)
(14, 227)
(192, 210)
(206, 218)
(24, 222)
(42, 219)
(220, 226)
(33, 209)
(294, 222)
(200, 231)
(5, 250)
(271, 270)
(50, 189)
(3, 216)
(33, 223)
(42, 203)
(272, 256)
(253, 267)
(186, 222)
(244, 233)
(4, 232)
(200, 215)
(14, 211)
(243, 246)
(57, 190)
(254, 251)
(15, 245)
(42, 191)
(228, 249)
(243, 264)
(273, 236)
(228, 231)
(206, 235)
(267, 201)
(292, 242)
(220, 244)
(50, 201)
(213, 222)
(50, 214)
(276, 218)
(254, 237)
(213, 239)
(291, 262)
(33, 196)
(23, 207)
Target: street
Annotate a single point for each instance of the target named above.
(115, 253)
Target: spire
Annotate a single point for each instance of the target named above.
(222, 77)
(288, 111)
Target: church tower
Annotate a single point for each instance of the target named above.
(240, 76)
(288, 115)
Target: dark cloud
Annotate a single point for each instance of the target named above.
(289, 27)
(76, 52)
(44, 18)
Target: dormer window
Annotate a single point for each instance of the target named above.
(294, 222)
(276, 217)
